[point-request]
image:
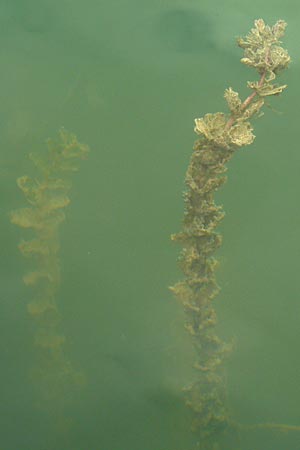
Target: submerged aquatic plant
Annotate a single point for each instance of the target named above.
(220, 136)
(48, 195)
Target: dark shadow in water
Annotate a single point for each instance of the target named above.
(186, 31)
(32, 16)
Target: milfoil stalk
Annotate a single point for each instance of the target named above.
(220, 136)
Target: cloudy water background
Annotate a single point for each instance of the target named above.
(128, 78)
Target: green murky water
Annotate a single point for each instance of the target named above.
(128, 78)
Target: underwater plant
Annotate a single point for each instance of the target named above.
(220, 136)
(48, 195)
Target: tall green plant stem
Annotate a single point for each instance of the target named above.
(47, 195)
(220, 136)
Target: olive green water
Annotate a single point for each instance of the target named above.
(128, 78)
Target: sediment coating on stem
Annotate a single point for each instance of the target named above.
(220, 136)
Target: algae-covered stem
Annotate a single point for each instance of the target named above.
(248, 100)
(220, 136)
(48, 195)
